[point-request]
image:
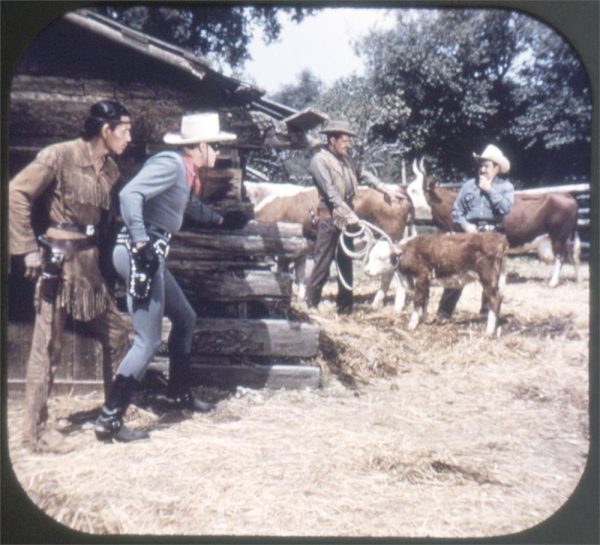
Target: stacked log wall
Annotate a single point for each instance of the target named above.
(227, 275)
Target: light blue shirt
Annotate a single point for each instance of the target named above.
(472, 204)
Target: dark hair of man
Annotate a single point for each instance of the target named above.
(334, 135)
(101, 113)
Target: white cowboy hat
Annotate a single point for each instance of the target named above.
(492, 153)
(199, 128)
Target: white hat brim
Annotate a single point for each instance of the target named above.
(502, 162)
(177, 138)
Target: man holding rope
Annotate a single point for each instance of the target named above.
(336, 178)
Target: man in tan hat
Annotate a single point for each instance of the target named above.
(481, 205)
(153, 205)
(336, 178)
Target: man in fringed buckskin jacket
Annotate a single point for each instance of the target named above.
(77, 178)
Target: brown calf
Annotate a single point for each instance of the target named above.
(453, 259)
(533, 215)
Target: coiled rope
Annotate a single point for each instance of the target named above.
(366, 230)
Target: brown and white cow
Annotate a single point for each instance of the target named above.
(452, 259)
(533, 219)
(295, 204)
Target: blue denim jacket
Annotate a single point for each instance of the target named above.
(473, 205)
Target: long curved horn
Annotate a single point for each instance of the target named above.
(415, 167)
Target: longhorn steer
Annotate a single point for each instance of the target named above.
(553, 214)
(300, 206)
(453, 259)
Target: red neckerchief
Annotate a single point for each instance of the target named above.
(193, 179)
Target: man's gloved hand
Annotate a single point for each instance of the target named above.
(148, 254)
(236, 219)
(352, 219)
(470, 228)
(33, 265)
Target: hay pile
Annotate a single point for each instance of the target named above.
(441, 433)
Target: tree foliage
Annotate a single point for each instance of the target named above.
(210, 29)
(444, 83)
(301, 94)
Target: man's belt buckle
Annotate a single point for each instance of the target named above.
(90, 230)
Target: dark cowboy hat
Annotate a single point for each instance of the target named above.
(338, 127)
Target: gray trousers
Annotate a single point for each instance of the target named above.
(167, 299)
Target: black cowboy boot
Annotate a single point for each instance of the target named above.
(178, 388)
(109, 425)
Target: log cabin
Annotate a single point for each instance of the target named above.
(227, 275)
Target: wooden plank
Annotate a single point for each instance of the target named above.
(219, 184)
(80, 353)
(218, 265)
(205, 245)
(566, 188)
(60, 386)
(252, 228)
(18, 343)
(226, 377)
(305, 120)
(214, 285)
(266, 337)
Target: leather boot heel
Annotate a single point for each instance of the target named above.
(187, 401)
(178, 389)
(109, 425)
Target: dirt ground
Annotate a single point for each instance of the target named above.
(440, 432)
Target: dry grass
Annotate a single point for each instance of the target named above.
(440, 432)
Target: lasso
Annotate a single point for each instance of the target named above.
(367, 230)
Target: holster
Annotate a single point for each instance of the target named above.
(143, 265)
(52, 263)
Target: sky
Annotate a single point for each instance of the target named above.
(321, 43)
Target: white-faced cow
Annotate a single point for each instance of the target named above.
(300, 205)
(453, 259)
(533, 219)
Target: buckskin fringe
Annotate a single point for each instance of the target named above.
(84, 303)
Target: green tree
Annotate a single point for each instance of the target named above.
(552, 106)
(301, 94)
(352, 99)
(443, 83)
(221, 29)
